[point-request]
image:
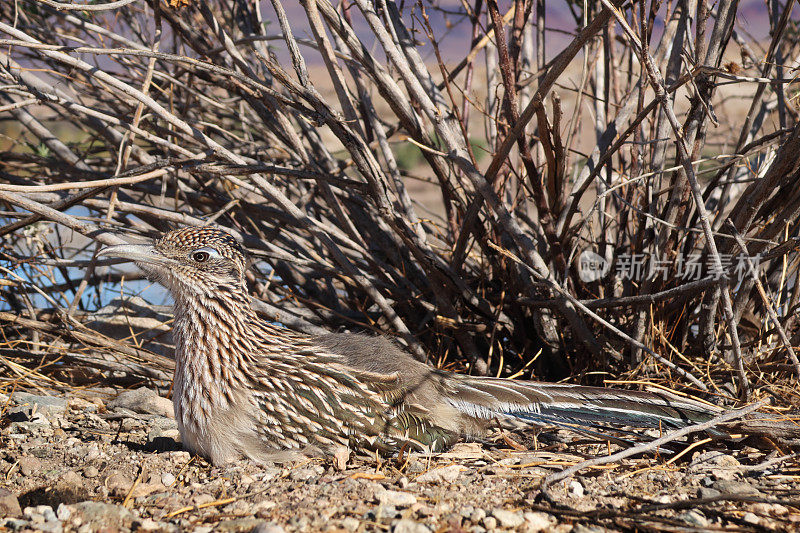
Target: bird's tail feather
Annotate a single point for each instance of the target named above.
(561, 404)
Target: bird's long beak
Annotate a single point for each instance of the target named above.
(141, 253)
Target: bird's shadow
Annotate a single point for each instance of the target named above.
(157, 445)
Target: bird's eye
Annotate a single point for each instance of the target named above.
(200, 257)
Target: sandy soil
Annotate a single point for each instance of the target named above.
(102, 463)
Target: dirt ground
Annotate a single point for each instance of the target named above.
(113, 462)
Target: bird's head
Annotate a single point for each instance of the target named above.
(188, 259)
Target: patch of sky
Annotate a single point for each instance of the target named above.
(47, 263)
(61, 258)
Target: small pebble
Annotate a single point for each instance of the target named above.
(726, 486)
(508, 519)
(422, 510)
(163, 439)
(270, 473)
(39, 514)
(180, 457)
(490, 522)
(719, 465)
(769, 509)
(70, 480)
(262, 509)
(350, 523)
(53, 526)
(694, 518)
(306, 474)
(706, 492)
(576, 489)
(63, 512)
(341, 455)
(118, 484)
(9, 504)
(751, 518)
(415, 466)
(200, 499)
(29, 465)
(387, 512)
(143, 400)
(47, 405)
(148, 524)
(445, 473)
(167, 479)
(477, 516)
(397, 498)
(407, 525)
(538, 521)
(48, 513)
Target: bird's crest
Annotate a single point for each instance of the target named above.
(195, 238)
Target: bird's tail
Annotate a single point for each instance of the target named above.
(574, 405)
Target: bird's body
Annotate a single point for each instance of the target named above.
(244, 387)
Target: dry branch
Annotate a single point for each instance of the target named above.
(350, 165)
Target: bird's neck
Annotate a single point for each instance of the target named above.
(218, 334)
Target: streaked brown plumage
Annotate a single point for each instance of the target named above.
(247, 388)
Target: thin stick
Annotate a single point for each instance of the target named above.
(653, 444)
(767, 302)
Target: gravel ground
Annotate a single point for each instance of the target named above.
(115, 464)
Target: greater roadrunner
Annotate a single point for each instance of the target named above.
(244, 387)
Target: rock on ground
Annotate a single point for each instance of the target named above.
(144, 401)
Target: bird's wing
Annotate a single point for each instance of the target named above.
(322, 388)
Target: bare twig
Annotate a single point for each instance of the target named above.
(653, 444)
